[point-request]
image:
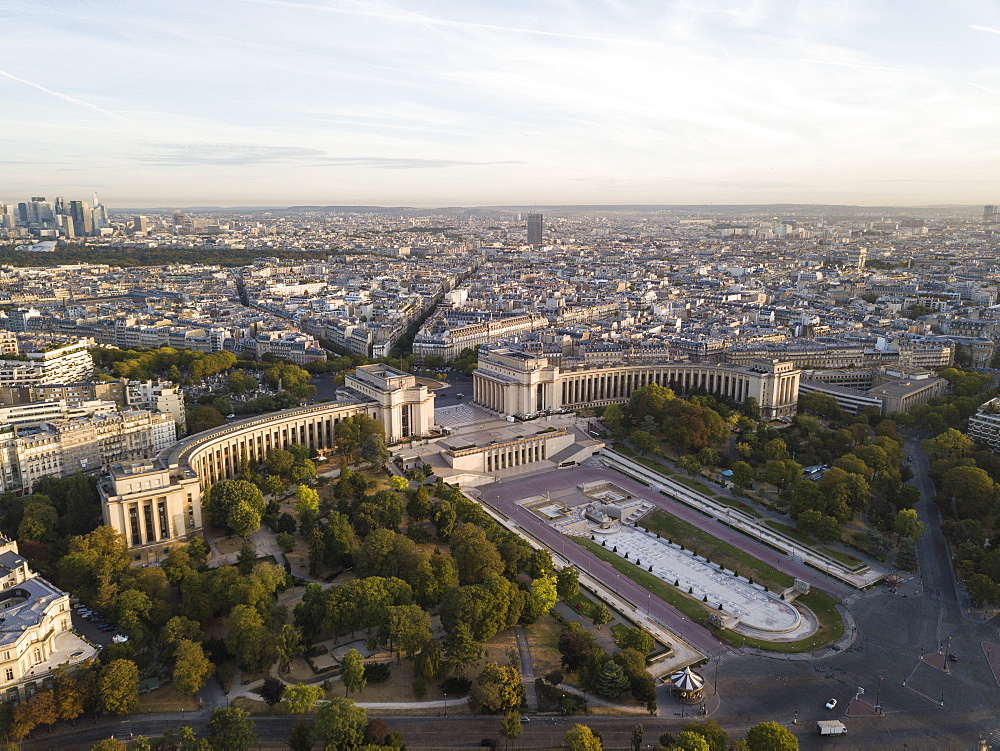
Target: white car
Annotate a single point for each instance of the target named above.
(831, 704)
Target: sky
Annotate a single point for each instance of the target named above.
(500, 102)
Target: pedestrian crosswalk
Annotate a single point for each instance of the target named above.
(851, 599)
(993, 739)
(721, 658)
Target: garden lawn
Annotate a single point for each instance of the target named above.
(846, 558)
(698, 487)
(792, 532)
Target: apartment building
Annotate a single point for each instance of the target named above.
(85, 443)
(36, 633)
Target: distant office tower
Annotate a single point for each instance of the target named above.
(534, 229)
(991, 218)
(83, 218)
(140, 225)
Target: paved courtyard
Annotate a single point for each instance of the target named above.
(461, 415)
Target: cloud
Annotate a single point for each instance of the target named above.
(233, 154)
(64, 97)
(423, 20)
(990, 29)
(984, 88)
(245, 154)
(851, 65)
(403, 163)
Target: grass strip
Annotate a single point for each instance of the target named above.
(717, 551)
(846, 558)
(696, 486)
(792, 532)
(736, 503)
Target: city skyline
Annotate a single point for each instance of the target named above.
(279, 103)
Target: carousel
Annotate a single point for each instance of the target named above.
(687, 686)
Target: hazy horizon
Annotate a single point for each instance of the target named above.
(273, 103)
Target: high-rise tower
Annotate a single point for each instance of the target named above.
(534, 229)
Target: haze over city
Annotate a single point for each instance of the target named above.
(276, 103)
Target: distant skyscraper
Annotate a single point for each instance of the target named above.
(140, 225)
(991, 218)
(534, 229)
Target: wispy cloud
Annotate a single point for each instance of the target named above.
(64, 97)
(842, 64)
(989, 29)
(423, 20)
(232, 154)
(983, 88)
(380, 162)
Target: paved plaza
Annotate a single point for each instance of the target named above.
(460, 415)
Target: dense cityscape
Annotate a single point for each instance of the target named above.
(684, 477)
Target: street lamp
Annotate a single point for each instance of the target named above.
(445, 703)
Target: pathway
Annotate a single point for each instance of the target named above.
(527, 671)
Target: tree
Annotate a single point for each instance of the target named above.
(301, 697)
(247, 638)
(510, 726)
(712, 732)
(770, 736)
(109, 744)
(236, 504)
(742, 474)
(460, 648)
(204, 418)
(74, 690)
(289, 645)
(951, 444)
(643, 441)
(541, 598)
(581, 738)
(302, 737)
(374, 451)
(638, 639)
(191, 667)
(231, 729)
(475, 556)
(636, 739)
(443, 515)
(272, 691)
(340, 724)
(306, 501)
(600, 614)
(567, 583)
(611, 681)
(907, 524)
(498, 690)
(279, 461)
(118, 688)
(688, 740)
(352, 672)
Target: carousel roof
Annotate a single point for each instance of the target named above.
(686, 679)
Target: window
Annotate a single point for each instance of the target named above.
(10, 674)
(38, 655)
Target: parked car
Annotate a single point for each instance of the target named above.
(953, 657)
(831, 704)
